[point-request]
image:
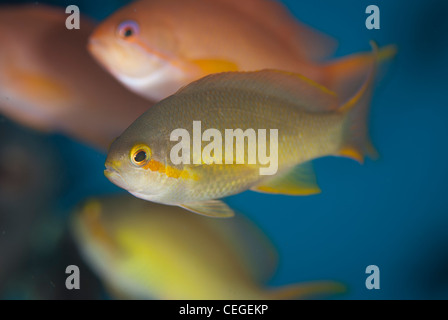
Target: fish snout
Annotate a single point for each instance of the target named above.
(111, 167)
(109, 172)
(115, 177)
(96, 47)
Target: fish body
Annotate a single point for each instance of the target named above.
(155, 47)
(48, 80)
(143, 250)
(310, 120)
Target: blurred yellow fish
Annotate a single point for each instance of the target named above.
(155, 47)
(48, 80)
(143, 250)
(311, 121)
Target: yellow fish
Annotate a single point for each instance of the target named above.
(152, 159)
(48, 80)
(143, 250)
(155, 47)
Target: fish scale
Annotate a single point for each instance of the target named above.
(301, 136)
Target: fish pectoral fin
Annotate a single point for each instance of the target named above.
(300, 181)
(210, 66)
(210, 208)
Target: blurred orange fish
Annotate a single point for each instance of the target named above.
(48, 81)
(154, 47)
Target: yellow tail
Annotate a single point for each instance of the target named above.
(359, 69)
(344, 75)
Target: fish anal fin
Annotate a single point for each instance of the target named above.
(300, 181)
(210, 208)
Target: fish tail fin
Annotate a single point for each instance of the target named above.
(307, 290)
(356, 141)
(344, 75)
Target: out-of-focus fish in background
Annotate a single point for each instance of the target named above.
(155, 47)
(312, 122)
(48, 80)
(145, 250)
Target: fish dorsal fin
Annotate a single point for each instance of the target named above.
(252, 245)
(292, 88)
(210, 208)
(308, 43)
(300, 181)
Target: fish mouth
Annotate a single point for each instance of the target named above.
(109, 172)
(110, 169)
(118, 59)
(115, 177)
(100, 52)
(94, 46)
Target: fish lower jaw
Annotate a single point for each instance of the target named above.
(157, 85)
(115, 178)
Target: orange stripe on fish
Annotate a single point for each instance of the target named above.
(169, 171)
(205, 66)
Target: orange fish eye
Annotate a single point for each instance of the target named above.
(140, 155)
(128, 29)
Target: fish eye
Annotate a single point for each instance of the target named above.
(128, 29)
(140, 155)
